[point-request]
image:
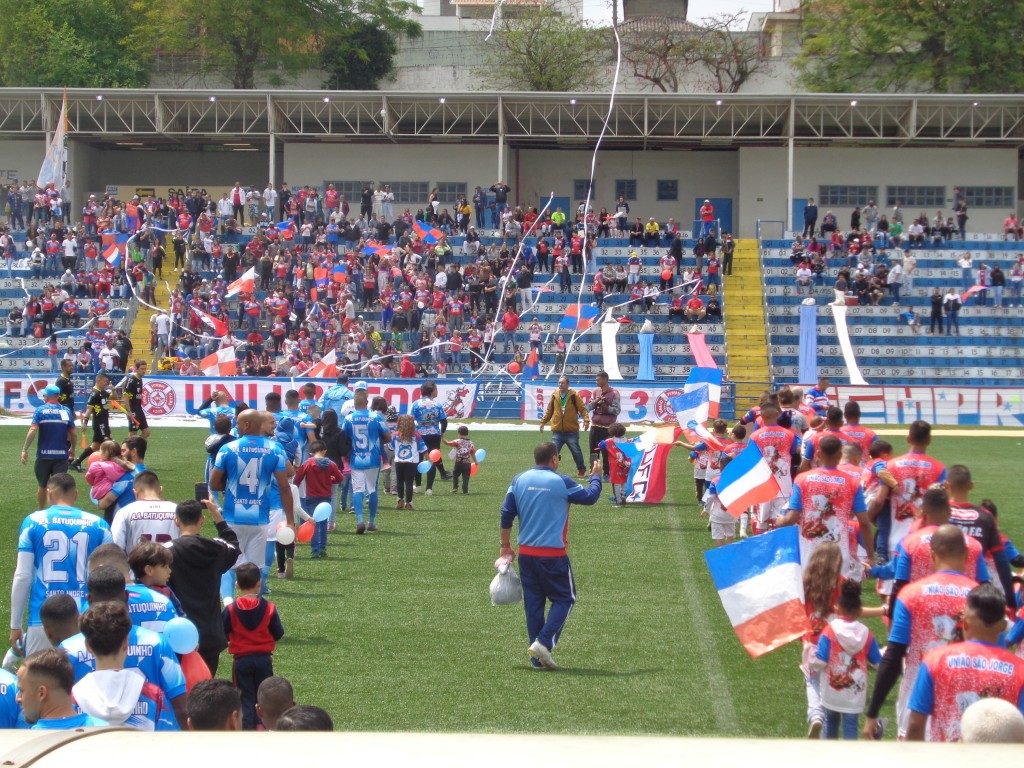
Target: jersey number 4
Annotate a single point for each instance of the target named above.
(250, 476)
(58, 547)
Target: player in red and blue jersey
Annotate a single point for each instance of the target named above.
(914, 472)
(823, 503)
(54, 545)
(853, 430)
(779, 446)
(953, 677)
(925, 615)
(832, 427)
(817, 397)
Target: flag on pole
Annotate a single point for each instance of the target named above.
(760, 583)
(219, 327)
(579, 317)
(55, 164)
(747, 480)
(698, 433)
(712, 378)
(327, 368)
(220, 363)
(245, 284)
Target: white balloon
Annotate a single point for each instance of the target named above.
(285, 536)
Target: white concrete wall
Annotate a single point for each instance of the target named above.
(95, 169)
(316, 163)
(762, 177)
(20, 159)
(699, 173)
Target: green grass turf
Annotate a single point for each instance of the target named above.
(395, 630)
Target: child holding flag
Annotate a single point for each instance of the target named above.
(618, 463)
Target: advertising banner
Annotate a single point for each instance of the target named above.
(966, 406)
(182, 395)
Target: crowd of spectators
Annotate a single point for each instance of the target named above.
(325, 278)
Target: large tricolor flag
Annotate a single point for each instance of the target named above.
(759, 581)
(220, 363)
(692, 407)
(427, 234)
(712, 379)
(245, 284)
(54, 168)
(579, 317)
(648, 456)
(115, 246)
(745, 481)
(219, 327)
(326, 368)
(112, 255)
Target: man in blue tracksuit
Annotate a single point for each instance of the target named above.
(540, 497)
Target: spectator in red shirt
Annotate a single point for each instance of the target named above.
(509, 324)
(676, 311)
(695, 309)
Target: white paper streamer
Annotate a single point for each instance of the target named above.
(609, 329)
(839, 315)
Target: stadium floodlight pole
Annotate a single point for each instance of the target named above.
(271, 129)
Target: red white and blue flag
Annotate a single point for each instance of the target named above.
(112, 255)
(712, 379)
(326, 368)
(747, 480)
(760, 583)
(691, 407)
(648, 457)
(427, 234)
(579, 317)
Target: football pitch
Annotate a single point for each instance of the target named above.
(394, 630)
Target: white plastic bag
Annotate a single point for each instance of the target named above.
(506, 589)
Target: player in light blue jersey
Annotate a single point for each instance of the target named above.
(301, 423)
(310, 413)
(44, 691)
(366, 430)
(214, 406)
(147, 608)
(53, 557)
(431, 423)
(334, 397)
(10, 710)
(148, 651)
(251, 471)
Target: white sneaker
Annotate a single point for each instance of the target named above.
(743, 533)
(540, 652)
(428, 492)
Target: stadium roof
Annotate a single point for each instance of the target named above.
(521, 119)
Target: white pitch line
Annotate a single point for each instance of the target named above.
(718, 684)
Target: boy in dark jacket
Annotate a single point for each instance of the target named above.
(253, 627)
(199, 563)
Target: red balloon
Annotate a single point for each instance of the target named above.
(666, 275)
(514, 367)
(305, 533)
(434, 456)
(473, 469)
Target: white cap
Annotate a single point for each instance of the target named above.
(360, 385)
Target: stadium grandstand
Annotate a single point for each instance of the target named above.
(332, 197)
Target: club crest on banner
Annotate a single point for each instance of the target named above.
(158, 397)
(662, 407)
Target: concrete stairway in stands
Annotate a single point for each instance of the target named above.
(744, 326)
(140, 334)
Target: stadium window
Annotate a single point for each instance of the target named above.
(450, 191)
(580, 188)
(350, 189)
(410, 192)
(990, 197)
(625, 188)
(668, 190)
(845, 195)
(915, 197)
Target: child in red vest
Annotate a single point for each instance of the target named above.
(618, 464)
(253, 628)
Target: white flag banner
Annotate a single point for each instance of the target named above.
(55, 164)
(839, 315)
(609, 329)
